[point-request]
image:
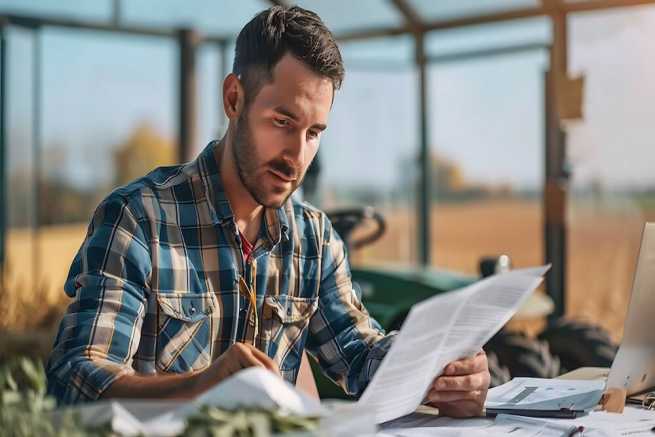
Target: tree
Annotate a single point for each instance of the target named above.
(144, 150)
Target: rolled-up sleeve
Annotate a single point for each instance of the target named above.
(99, 334)
(347, 342)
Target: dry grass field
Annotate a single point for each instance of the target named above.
(28, 296)
(602, 249)
(603, 245)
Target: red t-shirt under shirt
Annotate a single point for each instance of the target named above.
(246, 247)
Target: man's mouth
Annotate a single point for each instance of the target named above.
(283, 176)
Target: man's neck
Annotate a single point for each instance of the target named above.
(247, 212)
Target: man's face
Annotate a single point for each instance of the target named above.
(278, 134)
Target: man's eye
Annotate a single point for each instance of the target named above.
(313, 134)
(281, 122)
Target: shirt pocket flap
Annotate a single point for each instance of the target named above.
(189, 307)
(291, 309)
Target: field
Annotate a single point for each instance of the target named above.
(603, 244)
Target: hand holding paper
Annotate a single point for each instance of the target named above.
(462, 388)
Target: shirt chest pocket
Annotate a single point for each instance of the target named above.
(285, 321)
(185, 331)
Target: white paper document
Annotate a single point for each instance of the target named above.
(539, 394)
(633, 422)
(440, 330)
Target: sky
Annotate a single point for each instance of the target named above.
(485, 114)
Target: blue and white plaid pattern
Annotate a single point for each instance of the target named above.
(160, 285)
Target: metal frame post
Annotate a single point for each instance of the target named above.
(224, 70)
(188, 42)
(37, 149)
(3, 140)
(424, 183)
(116, 12)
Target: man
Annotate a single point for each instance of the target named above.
(196, 271)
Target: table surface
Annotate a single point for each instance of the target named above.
(426, 419)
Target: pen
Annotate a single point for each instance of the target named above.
(578, 430)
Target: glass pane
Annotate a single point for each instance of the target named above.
(116, 86)
(611, 152)
(369, 143)
(534, 30)
(210, 122)
(215, 63)
(210, 16)
(487, 169)
(98, 10)
(107, 118)
(445, 9)
(20, 192)
(386, 54)
(347, 15)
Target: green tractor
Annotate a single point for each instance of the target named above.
(389, 293)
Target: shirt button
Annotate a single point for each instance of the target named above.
(193, 309)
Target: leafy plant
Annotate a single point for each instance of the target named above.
(216, 422)
(26, 410)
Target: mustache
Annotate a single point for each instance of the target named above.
(285, 168)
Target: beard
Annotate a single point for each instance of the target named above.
(250, 168)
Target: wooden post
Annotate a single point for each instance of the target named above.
(556, 183)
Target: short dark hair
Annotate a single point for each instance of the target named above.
(277, 31)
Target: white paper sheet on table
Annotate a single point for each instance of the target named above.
(528, 427)
(632, 422)
(418, 424)
(546, 394)
(442, 329)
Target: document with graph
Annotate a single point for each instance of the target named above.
(542, 397)
(442, 329)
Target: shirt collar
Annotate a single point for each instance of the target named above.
(275, 219)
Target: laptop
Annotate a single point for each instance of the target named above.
(633, 367)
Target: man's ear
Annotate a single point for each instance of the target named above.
(233, 96)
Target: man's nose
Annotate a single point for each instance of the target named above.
(296, 147)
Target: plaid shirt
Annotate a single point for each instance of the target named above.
(160, 285)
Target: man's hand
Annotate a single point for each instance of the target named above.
(187, 385)
(462, 388)
(236, 357)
